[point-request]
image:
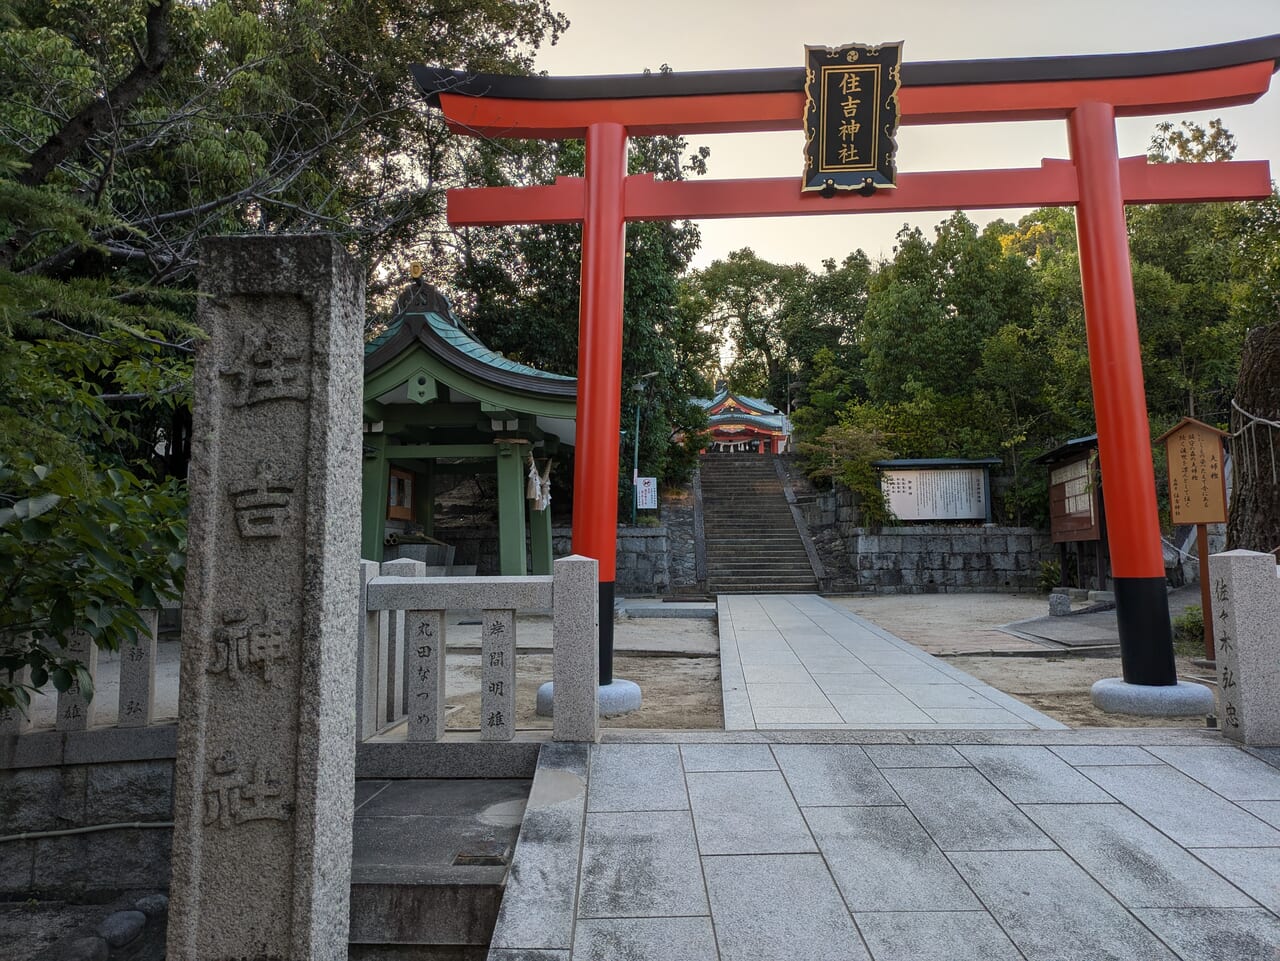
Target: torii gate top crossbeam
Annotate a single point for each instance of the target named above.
(952, 91)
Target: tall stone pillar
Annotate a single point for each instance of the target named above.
(266, 748)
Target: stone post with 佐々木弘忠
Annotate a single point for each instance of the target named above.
(1246, 595)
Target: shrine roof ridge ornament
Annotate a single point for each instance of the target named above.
(935, 73)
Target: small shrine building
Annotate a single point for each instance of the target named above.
(750, 425)
(438, 401)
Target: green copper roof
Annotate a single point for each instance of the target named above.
(455, 336)
(428, 306)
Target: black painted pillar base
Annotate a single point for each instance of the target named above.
(1146, 636)
(606, 632)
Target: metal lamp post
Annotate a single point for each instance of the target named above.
(638, 387)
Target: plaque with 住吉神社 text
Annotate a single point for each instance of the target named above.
(851, 116)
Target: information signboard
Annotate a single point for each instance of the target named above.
(1197, 483)
(936, 495)
(1073, 500)
(647, 493)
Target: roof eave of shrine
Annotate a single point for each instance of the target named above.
(417, 323)
(1075, 445)
(918, 463)
(772, 422)
(936, 73)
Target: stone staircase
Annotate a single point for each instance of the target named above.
(752, 543)
(429, 865)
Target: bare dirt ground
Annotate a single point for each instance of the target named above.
(1059, 686)
(678, 693)
(965, 627)
(945, 624)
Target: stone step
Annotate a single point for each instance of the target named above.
(729, 554)
(765, 588)
(429, 864)
(797, 565)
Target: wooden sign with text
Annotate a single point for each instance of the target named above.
(1197, 483)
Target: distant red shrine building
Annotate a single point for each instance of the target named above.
(745, 425)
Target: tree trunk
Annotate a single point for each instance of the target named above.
(1255, 501)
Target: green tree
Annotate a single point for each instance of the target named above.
(520, 292)
(129, 130)
(755, 304)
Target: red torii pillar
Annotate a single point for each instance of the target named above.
(1087, 92)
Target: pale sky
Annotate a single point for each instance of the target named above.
(627, 36)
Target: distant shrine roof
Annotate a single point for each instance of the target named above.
(728, 408)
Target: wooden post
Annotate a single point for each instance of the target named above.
(1202, 550)
(511, 507)
(1197, 495)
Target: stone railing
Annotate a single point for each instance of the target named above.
(400, 667)
(137, 682)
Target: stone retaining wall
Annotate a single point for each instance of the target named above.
(643, 561)
(678, 517)
(925, 558)
(644, 554)
(95, 863)
(947, 559)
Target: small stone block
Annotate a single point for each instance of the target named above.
(138, 675)
(153, 905)
(85, 949)
(576, 650)
(121, 927)
(1059, 605)
(498, 676)
(74, 712)
(424, 631)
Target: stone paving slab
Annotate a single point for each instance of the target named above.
(1052, 909)
(862, 845)
(883, 860)
(936, 936)
(780, 908)
(1135, 862)
(799, 659)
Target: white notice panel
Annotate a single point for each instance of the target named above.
(647, 493)
(936, 495)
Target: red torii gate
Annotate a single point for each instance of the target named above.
(1087, 92)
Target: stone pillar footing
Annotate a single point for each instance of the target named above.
(620, 697)
(1116, 696)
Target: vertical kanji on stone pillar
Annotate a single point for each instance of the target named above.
(266, 752)
(497, 675)
(138, 674)
(1246, 614)
(75, 711)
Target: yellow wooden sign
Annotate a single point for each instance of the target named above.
(1197, 484)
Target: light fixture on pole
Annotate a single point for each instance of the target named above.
(639, 386)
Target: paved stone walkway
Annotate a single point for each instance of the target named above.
(799, 661)
(1139, 845)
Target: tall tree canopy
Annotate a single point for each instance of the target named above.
(972, 342)
(129, 130)
(520, 291)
